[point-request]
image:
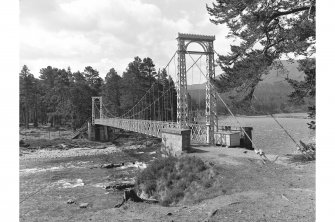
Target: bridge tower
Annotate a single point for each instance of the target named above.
(206, 42)
(96, 102)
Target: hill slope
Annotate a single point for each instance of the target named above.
(272, 92)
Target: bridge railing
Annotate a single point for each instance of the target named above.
(198, 133)
(149, 127)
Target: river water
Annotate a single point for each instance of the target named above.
(270, 137)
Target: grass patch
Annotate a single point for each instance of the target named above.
(173, 180)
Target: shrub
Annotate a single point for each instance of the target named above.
(308, 150)
(169, 178)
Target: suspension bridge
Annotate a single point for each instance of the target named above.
(166, 107)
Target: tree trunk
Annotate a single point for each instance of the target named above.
(27, 118)
(35, 117)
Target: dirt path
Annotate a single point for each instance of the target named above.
(283, 191)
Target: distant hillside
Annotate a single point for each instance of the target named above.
(272, 92)
(290, 70)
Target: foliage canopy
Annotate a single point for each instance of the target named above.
(266, 30)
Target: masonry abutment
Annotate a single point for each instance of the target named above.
(91, 131)
(98, 133)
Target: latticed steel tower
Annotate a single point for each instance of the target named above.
(96, 106)
(206, 42)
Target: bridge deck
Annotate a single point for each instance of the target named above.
(153, 128)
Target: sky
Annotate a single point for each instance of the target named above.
(108, 34)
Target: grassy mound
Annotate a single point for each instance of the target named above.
(172, 180)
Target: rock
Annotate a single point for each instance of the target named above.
(70, 201)
(83, 205)
(211, 164)
(149, 143)
(62, 145)
(23, 144)
(212, 213)
(169, 214)
(144, 195)
(245, 152)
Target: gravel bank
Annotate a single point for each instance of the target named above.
(74, 152)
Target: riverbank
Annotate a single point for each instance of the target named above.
(280, 115)
(250, 191)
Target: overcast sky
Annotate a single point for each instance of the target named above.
(109, 33)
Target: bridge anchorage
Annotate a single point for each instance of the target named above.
(163, 111)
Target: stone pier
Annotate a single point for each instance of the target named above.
(175, 141)
(97, 132)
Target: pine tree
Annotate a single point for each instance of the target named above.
(26, 94)
(265, 31)
(111, 92)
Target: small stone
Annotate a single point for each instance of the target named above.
(169, 214)
(212, 213)
(83, 205)
(70, 201)
(63, 146)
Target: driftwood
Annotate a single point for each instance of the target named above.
(111, 165)
(120, 186)
(130, 194)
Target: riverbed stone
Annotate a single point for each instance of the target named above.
(83, 205)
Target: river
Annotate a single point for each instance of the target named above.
(269, 136)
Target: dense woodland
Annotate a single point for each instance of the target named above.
(61, 97)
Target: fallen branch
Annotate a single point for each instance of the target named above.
(130, 194)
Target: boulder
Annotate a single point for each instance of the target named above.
(70, 201)
(83, 205)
